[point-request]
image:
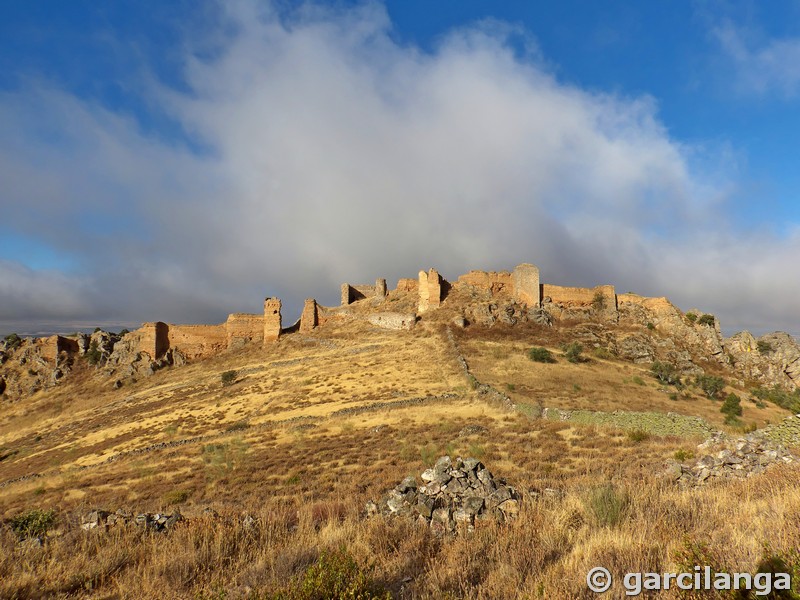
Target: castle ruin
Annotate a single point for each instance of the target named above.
(521, 286)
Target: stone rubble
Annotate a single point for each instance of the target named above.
(158, 522)
(737, 459)
(453, 495)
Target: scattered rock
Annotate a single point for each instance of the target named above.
(473, 429)
(737, 459)
(158, 522)
(453, 495)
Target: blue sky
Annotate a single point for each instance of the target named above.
(182, 160)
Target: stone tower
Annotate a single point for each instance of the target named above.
(272, 320)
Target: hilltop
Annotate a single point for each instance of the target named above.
(286, 432)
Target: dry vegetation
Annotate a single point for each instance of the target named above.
(312, 428)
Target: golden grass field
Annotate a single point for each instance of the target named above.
(318, 424)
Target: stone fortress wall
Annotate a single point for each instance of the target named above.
(522, 285)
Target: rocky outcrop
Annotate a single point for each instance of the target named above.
(773, 359)
(509, 313)
(453, 495)
(127, 362)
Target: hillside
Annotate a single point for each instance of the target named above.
(271, 448)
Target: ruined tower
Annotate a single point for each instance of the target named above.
(309, 318)
(272, 320)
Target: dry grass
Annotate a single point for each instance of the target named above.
(273, 446)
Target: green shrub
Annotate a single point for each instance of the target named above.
(175, 497)
(608, 505)
(732, 405)
(673, 396)
(779, 397)
(124, 332)
(603, 353)
(542, 355)
(511, 387)
(710, 384)
(764, 347)
(33, 523)
(682, 455)
(666, 373)
(733, 420)
(13, 341)
(598, 301)
(650, 326)
(336, 576)
(572, 352)
(638, 380)
(228, 377)
(638, 435)
(93, 354)
(707, 320)
(691, 317)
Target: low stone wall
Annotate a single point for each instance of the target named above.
(393, 320)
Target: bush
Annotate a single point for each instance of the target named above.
(732, 406)
(764, 347)
(33, 523)
(337, 576)
(638, 435)
(608, 505)
(603, 353)
(665, 372)
(779, 397)
(707, 320)
(175, 497)
(682, 455)
(93, 354)
(572, 352)
(13, 341)
(710, 384)
(638, 380)
(124, 332)
(691, 317)
(598, 301)
(542, 355)
(228, 377)
(650, 326)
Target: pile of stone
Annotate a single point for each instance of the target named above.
(453, 495)
(741, 458)
(152, 522)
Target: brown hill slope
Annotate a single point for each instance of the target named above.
(289, 448)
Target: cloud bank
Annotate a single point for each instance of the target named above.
(323, 150)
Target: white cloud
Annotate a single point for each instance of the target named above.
(336, 154)
(761, 65)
